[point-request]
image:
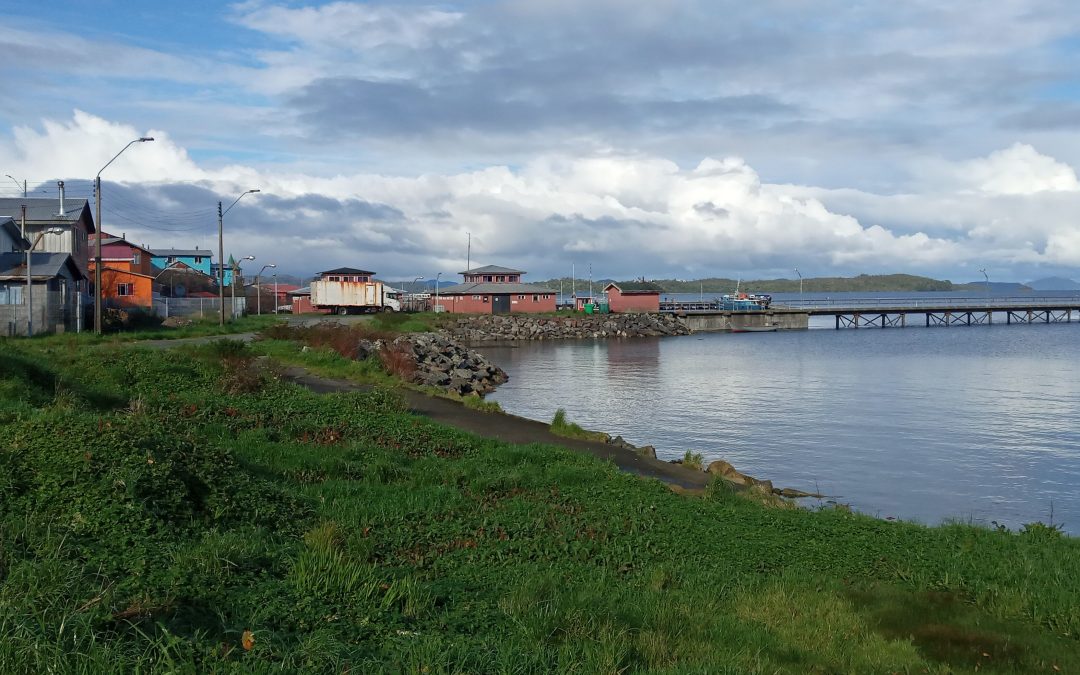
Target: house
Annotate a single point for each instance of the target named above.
(300, 299)
(127, 274)
(227, 279)
(53, 297)
(178, 280)
(64, 227)
(346, 274)
(495, 290)
(199, 259)
(633, 296)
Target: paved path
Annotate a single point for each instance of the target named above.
(513, 429)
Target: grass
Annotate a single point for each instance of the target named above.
(560, 426)
(409, 322)
(693, 460)
(156, 515)
(199, 328)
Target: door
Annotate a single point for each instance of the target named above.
(500, 304)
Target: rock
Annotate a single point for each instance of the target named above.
(720, 468)
(792, 493)
(176, 322)
(647, 451)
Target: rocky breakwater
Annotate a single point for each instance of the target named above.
(490, 328)
(436, 360)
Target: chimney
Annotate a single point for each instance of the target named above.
(60, 183)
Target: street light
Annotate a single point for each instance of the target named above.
(221, 254)
(23, 185)
(232, 286)
(97, 239)
(800, 284)
(258, 288)
(413, 303)
(985, 276)
(275, 293)
(436, 308)
(29, 281)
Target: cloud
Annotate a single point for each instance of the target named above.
(624, 214)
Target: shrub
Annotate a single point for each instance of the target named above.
(561, 427)
(693, 460)
(399, 360)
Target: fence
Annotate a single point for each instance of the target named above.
(197, 307)
(53, 313)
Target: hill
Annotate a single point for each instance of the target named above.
(714, 285)
(1054, 284)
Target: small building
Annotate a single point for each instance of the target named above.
(57, 226)
(495, 290)
(301, 302)
(633, 296)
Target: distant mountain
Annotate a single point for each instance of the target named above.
(1054, 284)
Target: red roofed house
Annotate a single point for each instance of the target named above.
(126, 272)
(495, 290)
(633, 296)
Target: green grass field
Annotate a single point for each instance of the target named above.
(184, 511)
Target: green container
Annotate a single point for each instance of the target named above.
(604, 308)
(589, 308)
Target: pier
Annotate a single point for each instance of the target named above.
(880, 313)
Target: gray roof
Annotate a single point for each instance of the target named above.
(347, 270)
(636, 286)
(306, 290)
(43, 265)
(13, 231)
(492, 269)
(47, 210)
(181, 252)
(492, 289)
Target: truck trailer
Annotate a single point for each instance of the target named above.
(353, 297)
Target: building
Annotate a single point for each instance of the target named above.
(495, 290)
(56, 226)
(301, 302)
(227, 279)
(54, 298)
(127, 273)
(633, 296)
(198, 259)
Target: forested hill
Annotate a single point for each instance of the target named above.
(863, 282)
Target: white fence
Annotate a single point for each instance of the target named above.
(197, 307)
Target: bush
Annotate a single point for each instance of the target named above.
(399, 360)
(693, 460)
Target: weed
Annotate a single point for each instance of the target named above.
(399, 360)
(693, 460)
(561, 427)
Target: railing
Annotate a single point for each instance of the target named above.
(916, 303)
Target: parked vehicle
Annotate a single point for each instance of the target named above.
(354, 297)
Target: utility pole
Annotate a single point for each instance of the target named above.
(221, 266)
(29, 282)
(468, 253)
(573, 283)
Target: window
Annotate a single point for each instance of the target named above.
(198, 260)
(10, 294)
(171, 259)
(487, 278)
(123, 290)
(476, 297)
(547, 296)
(500, 278)
(136, 258)
(333, 278)
(536, 298)
(485, 298)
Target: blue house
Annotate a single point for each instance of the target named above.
(228, 271)
(197, 259)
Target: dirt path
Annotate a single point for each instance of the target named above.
(513, 429)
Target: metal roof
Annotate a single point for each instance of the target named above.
(347, 270)
(40, 210)
(14, 232)
(492, 289)
(492, 269)
(635, 287)
(43, 265)
(181, 252)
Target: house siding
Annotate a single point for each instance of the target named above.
(520, 303)
(632, 302)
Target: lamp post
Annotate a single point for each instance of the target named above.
(987, 277)
(258, 288)
(436, 307)
(97, 239)
(413, 303)
(800, 284)
(232, 286)
(276, 301)
(23, 186)
(221, 253)
(29, 280)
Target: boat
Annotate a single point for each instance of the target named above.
(745, 302)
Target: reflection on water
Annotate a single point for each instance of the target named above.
(970, 423)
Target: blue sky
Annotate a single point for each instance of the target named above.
(645, 137)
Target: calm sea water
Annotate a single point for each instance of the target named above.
(971, 423)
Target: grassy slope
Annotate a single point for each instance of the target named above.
(149, 518)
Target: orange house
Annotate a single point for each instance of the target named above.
(126, 273)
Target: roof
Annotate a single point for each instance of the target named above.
(181, 252)
(9, 226)
(635, 287)
(347, 270)
(306, 290)
(107, 239)
(492, 289)
(286, 288)
(492, 269)
(42, 265)
(40, 210)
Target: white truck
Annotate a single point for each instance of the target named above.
(354, 297)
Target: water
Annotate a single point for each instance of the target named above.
(969, 423)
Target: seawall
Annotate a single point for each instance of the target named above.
(486, 327)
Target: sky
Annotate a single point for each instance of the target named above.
(656, 138)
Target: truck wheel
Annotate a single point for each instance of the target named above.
(342, 311)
